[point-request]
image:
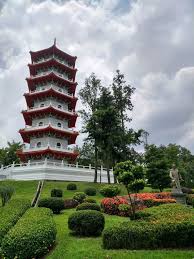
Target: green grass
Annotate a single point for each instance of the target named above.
(23, 189)
(71, 247)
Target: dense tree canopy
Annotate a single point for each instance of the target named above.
(8, 154)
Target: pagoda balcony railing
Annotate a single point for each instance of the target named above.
(60, 90)
(69, 111)
(43, 147)
(54, 71)
(56, 58)
(29, 128)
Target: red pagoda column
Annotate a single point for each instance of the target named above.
(51, 101)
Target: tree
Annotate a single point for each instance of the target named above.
(132, 177)
(86, 154)
(8, 154)
(122, 93)
(89, 96)
(157, 167)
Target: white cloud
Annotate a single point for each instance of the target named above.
(150, 41)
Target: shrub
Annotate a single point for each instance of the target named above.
(110, 190)
(155, 202)
(111, 205)
(166, 226)
(70, 203)
(55, 204)
(90, 191)
(79, 196)
(32, 236)
(56, 193)
(10, 214)
(124, 210)
(6, 193)
(86, 223)
(88, 206)
(90, 200)
(187, 190)
(71, 186)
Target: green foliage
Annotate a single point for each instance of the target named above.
(55, 204)
(166, 226)
(86, 223)
(6, 193)
(110, 190)
(71, 187)
(8, 155)
(90, 191)
(89, 200)
(79, 196)
(10, 213)
(70, 203)
(124, 210)
(56, 193)
(88, 206)
(32, 236)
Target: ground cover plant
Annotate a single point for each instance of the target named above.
(32, 236)
(169, 225)
(10, 214)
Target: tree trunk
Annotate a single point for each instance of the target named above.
(108, 172)
(96, 163)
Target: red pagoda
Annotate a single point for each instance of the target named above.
(51, 101)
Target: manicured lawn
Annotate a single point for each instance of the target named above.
(23, 189)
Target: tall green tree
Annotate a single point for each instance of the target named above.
(89, 95)
(8, 154)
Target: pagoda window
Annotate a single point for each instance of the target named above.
(42, 105)
(60, 90)
(58, 145)
(38, 144)
(59, 106)
(40, 123)
(59, 124)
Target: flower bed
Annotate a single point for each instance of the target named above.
(111, 205)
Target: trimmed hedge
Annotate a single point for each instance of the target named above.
(90, 191)
(11, 213)
(89, 200)
(56, 193)
(70, 203)
(71, 187)
(55, 204)
(32, 236)
(110, 190)
(88, 206)
(79, 196)
(86, 223)
(166, 226)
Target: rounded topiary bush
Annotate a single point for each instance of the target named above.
(110, 190)
(88, 206)
(79, 196)
(56, 193)
(55, 204)
(90, 191)
(86, 223)
(71, 187)
(89, 200)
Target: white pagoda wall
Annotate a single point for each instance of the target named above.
(53, 102)
(52, 120)
(48, 140)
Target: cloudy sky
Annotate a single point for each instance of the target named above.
(150, 41)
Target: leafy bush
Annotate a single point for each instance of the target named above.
(6, 193)
(169, 225)
(110, 190)
(56, 193)
(187, 190)
(88, 206)
(79, 196)
(90, 191)
(86, 223)
(71, 187)
(32, 236)
(155, 202)
(55, 204)
(70, 203)
(111, 205)
(10, 213)
(124, 210)
(90, 200)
